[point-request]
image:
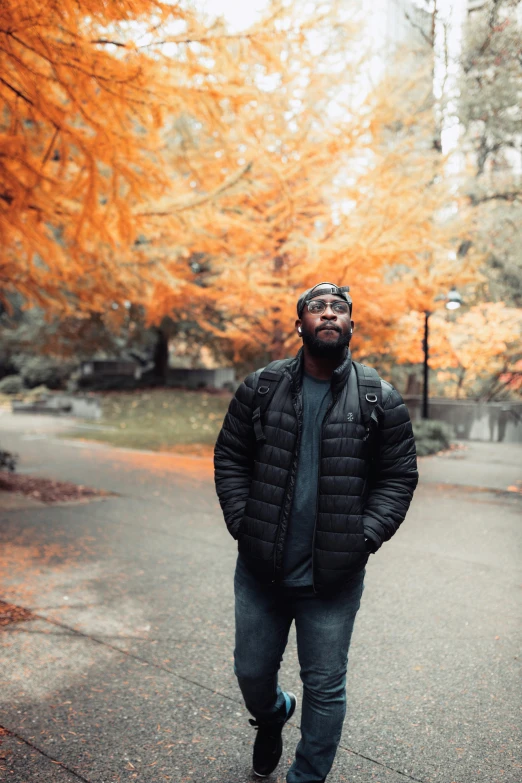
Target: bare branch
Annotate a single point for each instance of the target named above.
(202, 199)
(108, 42)
(418, 27)
(510, 196)
(17, 92)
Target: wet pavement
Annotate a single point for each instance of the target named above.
(125, 672)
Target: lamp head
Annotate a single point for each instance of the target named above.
(453, 300)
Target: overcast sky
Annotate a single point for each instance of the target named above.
(239, 13)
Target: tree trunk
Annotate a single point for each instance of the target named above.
(161, 357)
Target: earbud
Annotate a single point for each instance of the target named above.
(351, 331)
(299, 330)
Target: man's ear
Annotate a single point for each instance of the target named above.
(298, 327)
(352, 327)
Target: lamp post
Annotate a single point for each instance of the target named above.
(453, 302)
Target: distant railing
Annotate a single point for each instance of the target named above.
(473, 420)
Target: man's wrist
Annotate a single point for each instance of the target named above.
(370, 545)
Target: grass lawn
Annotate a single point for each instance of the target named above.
(160, 420)
(189, 422)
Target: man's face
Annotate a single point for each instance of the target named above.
(326, 333)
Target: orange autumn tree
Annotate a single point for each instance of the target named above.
(85, 90)
(148, 154)
(75, 131)
(336, 186)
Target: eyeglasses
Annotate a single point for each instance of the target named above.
(317, 307)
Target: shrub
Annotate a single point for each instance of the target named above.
(432, 436)
(12, 384)
(37, 391)
(6, 365)
(7, 461)
(43, 371)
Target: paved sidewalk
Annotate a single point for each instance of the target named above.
(125, 672)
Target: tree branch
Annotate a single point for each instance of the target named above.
(17, 92)
(418, 27)
(107, 41)
(50, 147)
(174, 40)
(509, 195)
(182, 207)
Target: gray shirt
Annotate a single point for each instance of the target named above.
(297, 559)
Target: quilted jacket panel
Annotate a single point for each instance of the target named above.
(365, 484)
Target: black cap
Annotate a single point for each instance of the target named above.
(320, 290)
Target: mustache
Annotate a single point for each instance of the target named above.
(332, 327)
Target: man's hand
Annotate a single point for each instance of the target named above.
(370, 546)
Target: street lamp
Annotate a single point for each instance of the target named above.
(453, 302)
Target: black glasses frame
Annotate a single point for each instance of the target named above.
(329, 304)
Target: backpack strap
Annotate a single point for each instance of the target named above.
(370, 396)
(267, 383)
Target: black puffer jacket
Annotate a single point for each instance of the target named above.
(365, 487)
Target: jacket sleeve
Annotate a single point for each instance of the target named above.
(395, 476)
(234, 456)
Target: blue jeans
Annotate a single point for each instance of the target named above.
(324, 626)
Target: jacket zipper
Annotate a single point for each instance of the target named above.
(284, 518)
(325, 419)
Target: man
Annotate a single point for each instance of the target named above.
(311, 483)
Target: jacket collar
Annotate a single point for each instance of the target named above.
(339, 377)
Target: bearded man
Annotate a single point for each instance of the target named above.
(315, 468)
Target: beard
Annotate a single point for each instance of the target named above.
(326, 349)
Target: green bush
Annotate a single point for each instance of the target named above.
(43, 371)
(12, 384)
(432, 436)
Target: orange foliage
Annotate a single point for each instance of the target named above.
(467, 349)
(334, 188)
(134, 136)
(85, 90)
(75, 132)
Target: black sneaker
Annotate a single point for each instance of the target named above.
(268, 746)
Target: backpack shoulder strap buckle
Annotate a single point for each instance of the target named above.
(258, 427)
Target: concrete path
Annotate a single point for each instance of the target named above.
(125, 672)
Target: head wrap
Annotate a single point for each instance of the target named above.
(320, 290)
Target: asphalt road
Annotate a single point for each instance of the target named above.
(125, 673)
